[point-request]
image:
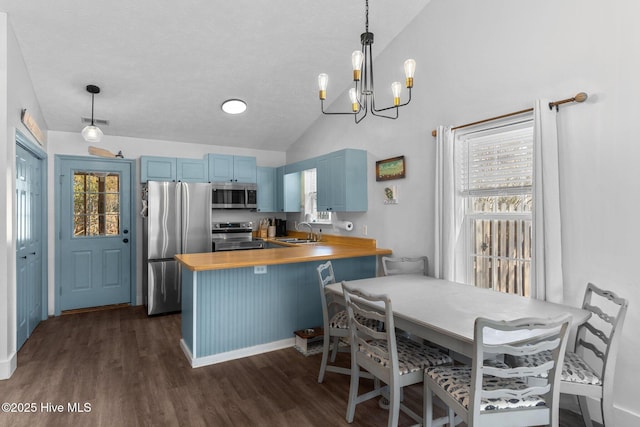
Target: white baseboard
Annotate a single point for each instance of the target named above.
(624, 417)
(197, 362)
(8, 366)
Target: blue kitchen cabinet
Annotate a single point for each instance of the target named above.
(280, 189)
(153, 168)
(227, 168)
(266, 189)
(292, 187)
(192, 170)
(342, 181)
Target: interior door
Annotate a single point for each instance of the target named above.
(94, 233)
(29, 265)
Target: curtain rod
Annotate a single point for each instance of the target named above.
(580, 97)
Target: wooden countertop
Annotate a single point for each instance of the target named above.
(332, 247)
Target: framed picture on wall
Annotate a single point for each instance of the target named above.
(392, 168)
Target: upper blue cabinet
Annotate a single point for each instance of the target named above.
(342, 181)
(226, 168)
(193, 170)
(154, 168)
(158, 168)
(266, 189)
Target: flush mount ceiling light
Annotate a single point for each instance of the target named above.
(362, 95)
(234, 106)
(92, 133)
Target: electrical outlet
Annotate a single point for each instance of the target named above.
(364, 230)
(260, 269)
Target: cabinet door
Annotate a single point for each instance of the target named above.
(157, 168)
(292, 201)
(266, 189)
(192, 170)
(220, 168)
(280, 189)
(342, 181)
(244, 169)
(331, 182)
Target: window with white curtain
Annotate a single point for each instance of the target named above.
(494, 174)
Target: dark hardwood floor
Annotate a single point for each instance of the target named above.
(129, 370)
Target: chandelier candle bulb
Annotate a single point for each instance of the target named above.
(396, 88)
(409, 71)
(355, 104)
(323, 80)
(356, 60)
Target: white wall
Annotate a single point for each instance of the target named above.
(17, 90)
(481, 59)
(132, 148)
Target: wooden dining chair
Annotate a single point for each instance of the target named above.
(490, 393)
(589, 370)
(396, 362)
(335, 321)
(405, 265)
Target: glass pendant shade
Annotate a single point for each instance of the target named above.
(92, 133)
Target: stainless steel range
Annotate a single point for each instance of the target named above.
(233, 236)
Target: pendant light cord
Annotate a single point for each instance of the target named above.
(366, 26)
(92, 97)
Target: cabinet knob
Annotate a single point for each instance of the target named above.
(125, 240)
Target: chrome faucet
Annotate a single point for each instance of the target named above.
(310, 236)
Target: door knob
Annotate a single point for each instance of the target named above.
(125, 240)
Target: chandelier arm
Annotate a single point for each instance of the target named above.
(334, 113)
(375, 110)
(365, 109)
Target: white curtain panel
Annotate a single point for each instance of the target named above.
(447, 227)
(547, 281)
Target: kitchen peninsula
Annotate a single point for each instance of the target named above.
(240, 303)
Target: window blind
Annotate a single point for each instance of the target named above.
(497, 162)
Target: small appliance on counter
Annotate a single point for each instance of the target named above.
(233, 236)
(281, 227)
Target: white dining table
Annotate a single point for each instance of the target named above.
(444, 312)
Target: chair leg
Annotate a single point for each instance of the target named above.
(325, 356)
(353, 392)
(336, 344)
(584, 410)
(427, 406)
(394, 405)
(606, 406)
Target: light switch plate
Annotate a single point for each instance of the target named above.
(260, 269)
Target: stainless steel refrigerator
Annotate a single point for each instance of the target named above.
(177, 221)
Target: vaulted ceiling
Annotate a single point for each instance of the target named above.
(164, 67)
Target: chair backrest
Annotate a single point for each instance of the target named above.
(405, 265)
(597, 340)
(360, 311)
(331, 302)
(520, 337)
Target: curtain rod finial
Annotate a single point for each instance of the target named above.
(581, 97)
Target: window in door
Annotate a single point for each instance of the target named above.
(96, 204)
(495, 176)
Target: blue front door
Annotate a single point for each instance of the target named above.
(95, 232)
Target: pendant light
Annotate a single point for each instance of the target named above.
(362, 95)
(92, 133)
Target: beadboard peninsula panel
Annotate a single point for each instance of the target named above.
(227, 311)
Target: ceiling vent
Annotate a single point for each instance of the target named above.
(96, 121)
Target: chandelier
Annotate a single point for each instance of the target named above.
(362, 95)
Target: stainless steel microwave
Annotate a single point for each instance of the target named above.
(234, 195)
